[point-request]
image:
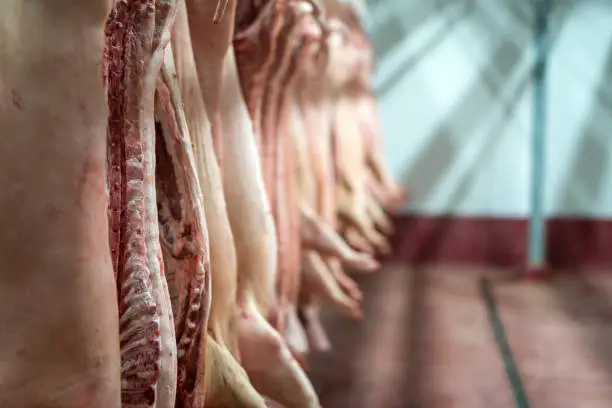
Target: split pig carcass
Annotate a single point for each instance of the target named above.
(207, 209)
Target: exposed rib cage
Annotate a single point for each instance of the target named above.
(186, 228)
(129, 34)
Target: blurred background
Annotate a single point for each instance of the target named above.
(455, 84)
(497, 118)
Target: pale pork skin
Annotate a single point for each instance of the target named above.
(258, 24)
(307, 86)
(391, 193)
(211, 24)
(304, 30)
(265, 355)
(59, 346)
(315, 233)
(322, 275)
(278, 140)
(351, 192)
(355, 202)
(388, 192)
(323, 271)
(226, 381)
(360, 103)
(359, 205)
(365, 215)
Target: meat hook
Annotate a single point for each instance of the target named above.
(220, 11)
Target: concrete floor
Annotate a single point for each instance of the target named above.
(426, 342)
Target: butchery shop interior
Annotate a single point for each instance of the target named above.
(306, 204)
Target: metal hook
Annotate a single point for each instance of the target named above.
(220, 11)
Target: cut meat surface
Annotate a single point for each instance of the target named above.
(255, 46)
(189, 246)
(147, 338)
(226, 383)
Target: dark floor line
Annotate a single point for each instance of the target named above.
(512, 372)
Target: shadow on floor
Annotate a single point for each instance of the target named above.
(589, 304)
(425, 342)
(560, 333)
(357, 375)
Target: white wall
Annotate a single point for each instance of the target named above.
(456, 104)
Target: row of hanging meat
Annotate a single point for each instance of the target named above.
(246, 188)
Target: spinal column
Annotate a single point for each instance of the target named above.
(135, 35)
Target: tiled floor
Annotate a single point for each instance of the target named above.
(561, 337)
(426, 342)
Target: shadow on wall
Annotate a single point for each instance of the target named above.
(493, 77)
(436, 158)
(420, 18)
(441, 151)
(522, 11)
(587, 178)
(587, 174)
(389, 31)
